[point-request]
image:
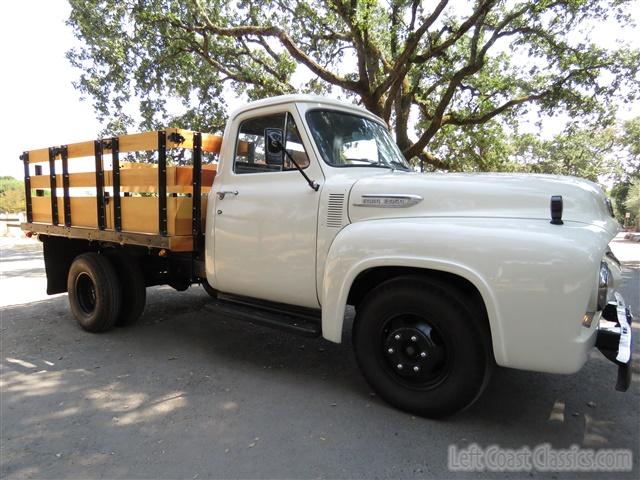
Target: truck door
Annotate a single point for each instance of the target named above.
(265, 215)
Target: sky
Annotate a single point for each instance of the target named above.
(39, 105)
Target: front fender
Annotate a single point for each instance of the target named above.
(535, 278)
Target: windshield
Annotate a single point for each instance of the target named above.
(347, 140)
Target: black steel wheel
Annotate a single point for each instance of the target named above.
(94, 292)
(422, 347)
(414, 351)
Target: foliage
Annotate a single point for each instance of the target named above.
(578, 151)
(632, 201)
(460, 67)
(629, 142)
(11, 195)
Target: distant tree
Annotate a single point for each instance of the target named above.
(632, 202)
(457, 66)
(629, 141)
(11, 195)
(579, 151)
(628, 151)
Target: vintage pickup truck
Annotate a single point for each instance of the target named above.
(305, 206)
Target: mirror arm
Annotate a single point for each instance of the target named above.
(312, 183)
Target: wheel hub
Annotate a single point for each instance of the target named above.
(86, 293)
(412, 352)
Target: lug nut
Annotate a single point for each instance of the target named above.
(423, 354)
(416, 368)
(390, 350)
(397, 337)
(399, 366)
(414, 338)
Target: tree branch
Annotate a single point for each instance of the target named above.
(275, 32)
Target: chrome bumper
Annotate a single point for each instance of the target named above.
(614, 339)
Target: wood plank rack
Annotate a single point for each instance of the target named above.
(147, 204)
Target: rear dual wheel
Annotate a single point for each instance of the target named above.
(422, 346)
(105, 290)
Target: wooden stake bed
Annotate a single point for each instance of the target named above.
(150, 204)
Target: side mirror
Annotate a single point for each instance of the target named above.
(274, 151)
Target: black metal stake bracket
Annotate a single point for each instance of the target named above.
(38, 171)
(115, 160)
(162, 182)
(100, 204)
(64, 155)
(196, 227)
(27, 186)
(53, 152)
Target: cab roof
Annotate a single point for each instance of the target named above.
(300, 98)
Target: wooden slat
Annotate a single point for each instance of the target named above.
(142, 178)
(82, 149)
(140, 214)
(39, 156)
(83, 211)
(211, 143)
(184, 175)
(41, 209)
(40, 181)
(76, 180)
(137, 142)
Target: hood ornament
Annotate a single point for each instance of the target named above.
(388, 200)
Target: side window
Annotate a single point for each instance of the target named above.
(250, 148)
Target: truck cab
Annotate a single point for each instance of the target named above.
(262, 213)
(313, 209)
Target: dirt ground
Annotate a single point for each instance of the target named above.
(186, 393)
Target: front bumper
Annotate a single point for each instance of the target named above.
(614, 339)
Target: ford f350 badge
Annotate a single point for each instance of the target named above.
(388, 200)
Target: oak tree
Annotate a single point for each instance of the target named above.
(438, 67)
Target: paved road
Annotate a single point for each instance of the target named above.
(186, 395)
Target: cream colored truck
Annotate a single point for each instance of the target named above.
(305, 206)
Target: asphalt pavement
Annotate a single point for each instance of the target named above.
(189, 394)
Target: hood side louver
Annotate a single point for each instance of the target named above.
(335, 210)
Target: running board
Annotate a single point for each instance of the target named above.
(298, 324)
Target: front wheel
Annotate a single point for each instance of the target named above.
(422, 347)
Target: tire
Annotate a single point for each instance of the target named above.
(212, 292)
(133, 288)
(422, 346)
(94, 292)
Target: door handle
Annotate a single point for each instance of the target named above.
(223, 194)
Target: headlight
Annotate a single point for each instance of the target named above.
(603, 285)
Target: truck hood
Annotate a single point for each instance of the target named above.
(490, 195)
